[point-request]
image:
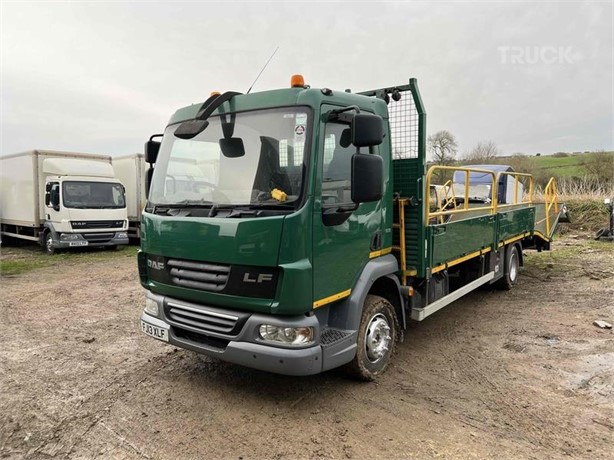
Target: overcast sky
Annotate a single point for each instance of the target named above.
(103, 76)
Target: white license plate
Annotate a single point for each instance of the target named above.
(156, 332)
(78, 243)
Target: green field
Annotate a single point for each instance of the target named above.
(596, 167)
(571, 166)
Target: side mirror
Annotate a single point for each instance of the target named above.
(47, 198)
(151, 151)
(367, 130)
(232, 147)
(367, 178)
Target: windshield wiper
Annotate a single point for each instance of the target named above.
(234, 207)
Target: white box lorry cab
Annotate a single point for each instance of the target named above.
(62, 200)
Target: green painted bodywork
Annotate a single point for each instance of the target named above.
(456, 239)
(514, 221)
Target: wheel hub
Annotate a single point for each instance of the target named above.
(513, 267)
(377, 338)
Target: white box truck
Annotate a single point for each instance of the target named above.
(131, 170)
(62, 200)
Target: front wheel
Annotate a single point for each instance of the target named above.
(377, 335)
(49, 247)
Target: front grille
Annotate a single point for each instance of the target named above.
(85, 224)
(198, 275)
(204, 320)
(98, 237)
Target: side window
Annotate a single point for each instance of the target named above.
(52, 197)
(337, 164)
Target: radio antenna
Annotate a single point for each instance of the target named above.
(267, 63)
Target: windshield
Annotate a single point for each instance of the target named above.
(93, 195)
(268, 169)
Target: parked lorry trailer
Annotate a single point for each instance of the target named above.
(307, 238)
(62, 200)
(131, 170)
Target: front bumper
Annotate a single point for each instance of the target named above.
(287, 361)
(74, 240)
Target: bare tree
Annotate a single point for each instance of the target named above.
(600, 165)
(443, 147)
(483, 152)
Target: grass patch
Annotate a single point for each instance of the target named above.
(577, 257)
(26, 258)
(16, 267)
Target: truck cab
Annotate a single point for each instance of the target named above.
(254, 228)
(84, 205)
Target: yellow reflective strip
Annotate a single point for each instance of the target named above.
(331, 298)
(516, 238)
(381, 252)
(541, 235)
(459, 260)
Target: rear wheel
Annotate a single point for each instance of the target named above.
(377, 335)
(512, 267)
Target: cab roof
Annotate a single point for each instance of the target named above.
(286, 97)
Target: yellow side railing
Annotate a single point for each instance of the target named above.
(491, 208)
(526, 198)
(551, 199)
(447, 199)
(401, 248)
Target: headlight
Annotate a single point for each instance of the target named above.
(121, 235)
(286, 335)
(70, 237)
(151, 307)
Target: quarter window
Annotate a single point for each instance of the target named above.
(337, 164)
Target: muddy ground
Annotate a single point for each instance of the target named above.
(520, 374)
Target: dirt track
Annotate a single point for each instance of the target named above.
(523, 374)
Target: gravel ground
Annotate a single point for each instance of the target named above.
(520, 374)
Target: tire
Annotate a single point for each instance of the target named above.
(48, 244)
(511, 268)
(377, 336)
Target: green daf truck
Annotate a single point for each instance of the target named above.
(298, 230)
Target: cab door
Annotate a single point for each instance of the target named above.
(52, 201)
(344, 233)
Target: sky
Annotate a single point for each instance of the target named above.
(101, 77)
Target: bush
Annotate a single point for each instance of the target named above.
(600, 166)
